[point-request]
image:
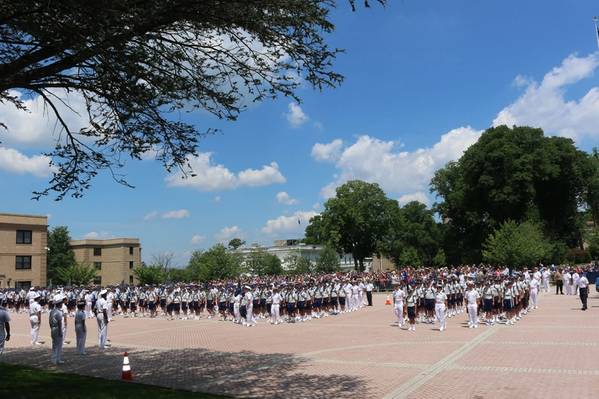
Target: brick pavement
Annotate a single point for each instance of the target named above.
(551, 353)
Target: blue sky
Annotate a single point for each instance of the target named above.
(423, 78)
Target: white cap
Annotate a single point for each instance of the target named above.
(58, 298)
(35, 295)
(103, 292)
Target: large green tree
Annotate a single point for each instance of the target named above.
(354, 221)
(328, 261)
(511, 174)
(151, 275)
(136, 64)
(60, 254)
(261, 263)
(75, 274)
(516, 245)
(214, 264)
(414, 236)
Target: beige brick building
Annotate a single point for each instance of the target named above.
(23, 250)
(114, 259)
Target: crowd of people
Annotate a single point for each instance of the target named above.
(426, 295)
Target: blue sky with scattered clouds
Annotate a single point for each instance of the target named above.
(423, 79)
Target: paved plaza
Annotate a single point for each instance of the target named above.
(552, 353)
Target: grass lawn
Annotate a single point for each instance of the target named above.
(24, 382)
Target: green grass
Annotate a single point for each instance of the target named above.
(24, 382)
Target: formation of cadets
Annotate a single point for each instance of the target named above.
(489, 297)
(428, 296)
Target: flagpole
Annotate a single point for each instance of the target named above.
(595, 19)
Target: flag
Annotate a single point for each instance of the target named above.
(595, 19)
(299, 221)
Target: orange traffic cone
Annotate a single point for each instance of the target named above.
(388, 300)
(126, 374)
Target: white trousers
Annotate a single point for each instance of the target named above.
(102, 331)
(472, 318)
(568, 288)
(81, 336)
(57, 340)
(249, 317)
(88, 309)
(275, 313)
(35, 329)
(440, 314)
(399, 313)
(236, 312)
(545, 285)
(533, 297)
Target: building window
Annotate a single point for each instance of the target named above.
(130, 250)
(23, 285)
(98, 280)
(130, 279)
(23, 262)
(131, 265)
(23, 236)
(97, 251)
(98, 265)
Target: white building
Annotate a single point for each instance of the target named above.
(284, 249)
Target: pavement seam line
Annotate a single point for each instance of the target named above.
(421, 378)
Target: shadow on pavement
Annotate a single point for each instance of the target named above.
(245, 374)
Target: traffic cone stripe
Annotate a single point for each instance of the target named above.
(126, 373)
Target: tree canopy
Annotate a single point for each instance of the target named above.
(75, 274)
(60, 254)
(261, 263)
(214, 264)
(136, 64)
(512, 174)
(354, 221)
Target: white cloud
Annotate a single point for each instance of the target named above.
(228, 233)
(208, 176)
(13, 161)
(151, 216)
(329, 152)
(544, 105)
(416, 196)
(404, 172)
(217, 199)
(37, 126)
(197, 239)
(176, 214)
(288, 224)
(94, 235)
(284, 198)
(296, 116)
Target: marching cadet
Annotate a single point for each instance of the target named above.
(4, 327)
(80, 329)
(534, 289)
(56, 318)
(65, 312)
(545, 279)
(487, 294)
(35, 317)
(411, 304)
(472, 298)
(429, 302)
(249, 318)
(583, 289)
(567, 278)
(102, 307)
(441, 307)
(508, 302)
(398, 305)
(275, 315)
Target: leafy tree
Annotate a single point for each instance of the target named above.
(516, 245)
(511, 174)
(409, 257)
(440, 259)
(593, 241)
(60, 254)
(413, 228)
(592, 192)
(261, 263)
(75, 274)
(328, 261)
(354, 221)
(296, 264)
(214, 264)
(177, 275)
(136, 64)
(150, 275)
(236, 243)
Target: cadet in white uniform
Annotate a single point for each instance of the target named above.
(441, 307)
(275, 315)
(80, 329)
(534, 290)
(56, 318)
(472, 298)
(35, 318)
(102, 318)
(398, 302)
(4, 328)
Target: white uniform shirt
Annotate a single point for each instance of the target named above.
(34, 308)
(472, 296)
(276, 299)
(583, 282)
(534, 284)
